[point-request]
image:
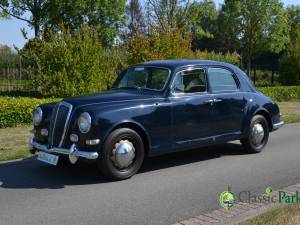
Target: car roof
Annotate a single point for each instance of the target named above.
(176, 63)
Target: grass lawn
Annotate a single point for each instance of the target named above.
(13, 143)
(290, 111)
(288, 215)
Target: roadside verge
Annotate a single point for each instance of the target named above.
(242, 211)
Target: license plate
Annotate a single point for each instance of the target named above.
(48, 158)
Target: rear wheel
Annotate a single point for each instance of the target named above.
(258, 135)
(122, 155)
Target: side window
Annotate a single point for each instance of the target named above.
(221, 80)
(190, 81)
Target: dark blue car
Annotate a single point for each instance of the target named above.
(155, 108)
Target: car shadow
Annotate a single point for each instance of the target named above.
(30, 173)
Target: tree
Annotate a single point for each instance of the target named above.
(105, 16)
(229, 27)
(20, 9)
(289, 68)
(169, 14)
(256, 24)
(294, 22)
(136, 19)
(204, 20)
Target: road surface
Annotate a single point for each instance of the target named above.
(168, 189)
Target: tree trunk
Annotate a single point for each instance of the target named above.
(248, 63)
(36, 30)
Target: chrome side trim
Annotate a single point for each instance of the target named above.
(278, 125)
(73, 150)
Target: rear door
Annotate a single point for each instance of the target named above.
(228, 101)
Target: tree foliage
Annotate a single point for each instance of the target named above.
(18, 9)
(294, 23)
(290, 65)
(254, 25)
(165, 45)
(136, 18)
(105, 16)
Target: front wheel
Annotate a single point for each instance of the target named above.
(122, 154)
(258, 135)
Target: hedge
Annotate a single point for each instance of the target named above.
(282, 93)
(18, 110)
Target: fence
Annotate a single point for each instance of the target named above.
(264, 75)
(14, 77)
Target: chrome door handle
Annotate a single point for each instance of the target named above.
(217, 100)
(210, 101)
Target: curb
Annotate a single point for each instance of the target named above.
(16, 160)
(240, 212)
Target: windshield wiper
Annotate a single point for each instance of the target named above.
(128, 87)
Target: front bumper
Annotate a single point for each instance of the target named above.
(72, 151)
(278, 125)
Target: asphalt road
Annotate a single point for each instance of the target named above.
(168, 189)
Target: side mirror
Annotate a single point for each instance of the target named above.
(175, 90)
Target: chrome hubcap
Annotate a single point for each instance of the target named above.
(123, 154)
(258, 134)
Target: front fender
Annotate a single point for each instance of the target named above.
(108, 117)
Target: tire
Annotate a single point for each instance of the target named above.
(107, 165)
(252, 144)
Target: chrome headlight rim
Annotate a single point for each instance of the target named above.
(87, 126)
(37, 116)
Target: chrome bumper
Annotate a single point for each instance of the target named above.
(278, 125)
(71, 151)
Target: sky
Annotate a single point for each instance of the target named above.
(10, 29)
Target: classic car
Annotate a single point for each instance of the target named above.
(155, 108)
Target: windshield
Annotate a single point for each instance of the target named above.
(142, 77)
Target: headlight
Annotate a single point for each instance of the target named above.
(37, 116)
(84, 122)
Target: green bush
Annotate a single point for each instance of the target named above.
(18, 110)
(282, 93)
(70, 64)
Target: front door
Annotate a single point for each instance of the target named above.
(191, 108)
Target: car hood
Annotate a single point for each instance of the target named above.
(109, 96)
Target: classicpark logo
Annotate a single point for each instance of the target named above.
(228, 199)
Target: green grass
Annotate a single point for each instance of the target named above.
(13, 143)
(15, 81)
(290, 111)
(292, 119)
(288, 215)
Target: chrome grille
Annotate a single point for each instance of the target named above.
(59, 122)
